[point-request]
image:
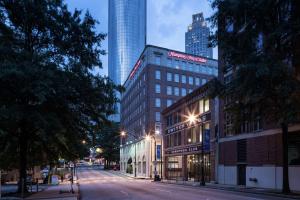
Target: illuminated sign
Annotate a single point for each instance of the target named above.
(136, 66)
(186, 57)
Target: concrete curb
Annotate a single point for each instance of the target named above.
(252, 191)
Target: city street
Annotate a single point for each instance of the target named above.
(99, 184)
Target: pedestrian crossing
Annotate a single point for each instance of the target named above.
(101, 177)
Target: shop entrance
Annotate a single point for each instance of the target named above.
(194, 167)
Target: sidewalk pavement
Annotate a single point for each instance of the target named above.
(61, 192)
(235, 188)
(128, 175)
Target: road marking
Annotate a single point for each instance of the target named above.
(126, 193)
(168, 191)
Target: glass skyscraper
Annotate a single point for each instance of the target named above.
(126, 36)
(196, 38)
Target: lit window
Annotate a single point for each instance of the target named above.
(206, 105)
(157, 88)
(176, 78)
(157, 116)
(191, 80)
(169, 102)
(157, 74)
(169, 90)
(157, 102)
(183, 79)
(183, 92)
(176, 91)
(169, 76)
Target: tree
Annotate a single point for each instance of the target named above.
(109, 140)
(50, 98)
(259, 42)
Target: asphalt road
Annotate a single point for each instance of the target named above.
(103, 185)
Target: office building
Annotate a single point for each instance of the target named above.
(126, 38)
(196, 37)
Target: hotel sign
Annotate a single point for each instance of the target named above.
(135, 68)
(186, 57)
(184, 150)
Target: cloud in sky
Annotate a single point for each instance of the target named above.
(167, 21)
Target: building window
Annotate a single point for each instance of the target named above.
(169, 90)
(157, 116)
(191, 80)
(204, 81)
(169, 62)
(157, 88)
(183, 92)
(169, 102)
(157, 102)
(190, 90)
(158, 60)
(157, 74)
(203, 105)
(183, 79)
(176, 78)
(169, 76)
(176, 91)
(197, 81)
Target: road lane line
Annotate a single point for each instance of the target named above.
(125, 193)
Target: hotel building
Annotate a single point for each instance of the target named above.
(159, 78)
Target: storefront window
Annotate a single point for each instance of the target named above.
(174, 167)
(194, 167)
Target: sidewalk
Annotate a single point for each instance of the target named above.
(253, 190)
(61, 192)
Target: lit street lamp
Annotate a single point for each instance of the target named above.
(192, 119)
(123, 134)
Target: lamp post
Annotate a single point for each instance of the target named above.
(192, 119)
(156, 176)
(123, 134)
(202, 156)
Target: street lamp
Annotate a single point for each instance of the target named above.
(83, 142)
(123, 134)
(149, 137)
(192, 119)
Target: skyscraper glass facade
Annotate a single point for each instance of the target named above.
(126, 36)
(196, 38)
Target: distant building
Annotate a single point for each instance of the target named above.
(159, 78)
(196, 37)
(126, 37)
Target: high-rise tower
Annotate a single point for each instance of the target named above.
(126, 36)
(196, 37)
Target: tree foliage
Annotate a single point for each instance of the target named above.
(259, 43)
(50, 98)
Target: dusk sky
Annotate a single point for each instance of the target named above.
(167, 20)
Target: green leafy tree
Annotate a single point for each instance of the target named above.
(109, 140)
(259, 42)
(50, 99)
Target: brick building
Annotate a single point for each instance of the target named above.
(189, 137)
(159, 78)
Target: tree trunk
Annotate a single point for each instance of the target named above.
(23, 144)
(285, 160)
